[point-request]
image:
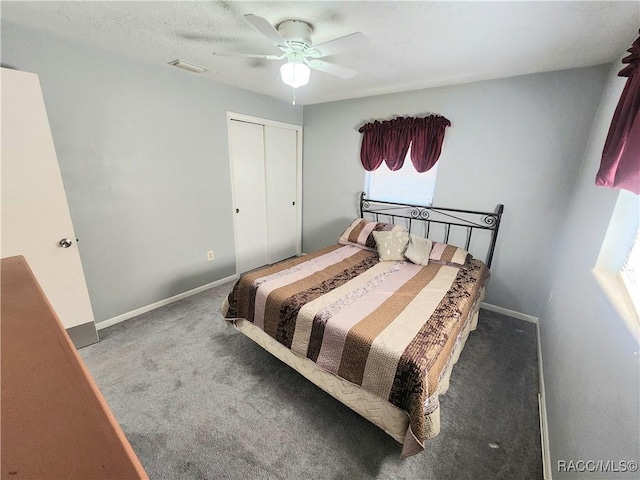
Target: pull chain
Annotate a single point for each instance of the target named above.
(294, 96)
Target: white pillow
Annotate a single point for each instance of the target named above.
(418, 250)
(391, 245)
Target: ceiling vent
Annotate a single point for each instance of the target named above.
(188, 66)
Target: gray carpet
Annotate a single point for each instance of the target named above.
(198, 400)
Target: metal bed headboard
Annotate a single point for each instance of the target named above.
(446, 218)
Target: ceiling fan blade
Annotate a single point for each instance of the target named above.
(250, 55)
(264, 27)
(332, 69)
(342, 44)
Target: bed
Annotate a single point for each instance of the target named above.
(379, 319)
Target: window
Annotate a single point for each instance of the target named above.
(630, 274)
(403, 186)
(617, 269)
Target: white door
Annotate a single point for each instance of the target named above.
(35, 214)
(246, 149)
(280, 145)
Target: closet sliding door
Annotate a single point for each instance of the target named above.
(265, 170)
(246, 149)
(281, 172)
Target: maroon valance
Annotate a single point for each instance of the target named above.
(620, 164)
(389, 141)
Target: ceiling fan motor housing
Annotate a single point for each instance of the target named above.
(293, 39)
(297, 33)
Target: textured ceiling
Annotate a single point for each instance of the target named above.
(413, 44)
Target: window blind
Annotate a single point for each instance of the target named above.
(405, 185)
(630, 274)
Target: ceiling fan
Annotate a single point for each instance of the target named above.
(293, 38)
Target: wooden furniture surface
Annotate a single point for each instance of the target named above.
(55, 422)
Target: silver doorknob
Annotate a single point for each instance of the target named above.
(65, 243)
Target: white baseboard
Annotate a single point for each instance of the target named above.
(139, 311)
(511, 313)
(544, 424)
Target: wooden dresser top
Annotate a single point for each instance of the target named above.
(55, 422)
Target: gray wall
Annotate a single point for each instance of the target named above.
(591, 361)
(144, 158)
(143, 154)
(517, 141)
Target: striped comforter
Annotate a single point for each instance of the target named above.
(389, 327)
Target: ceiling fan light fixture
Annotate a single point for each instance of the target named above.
(295, 74)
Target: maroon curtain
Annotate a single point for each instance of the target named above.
(389, 141)
(427, 141)
(371, 148)
(620, 165)
(396, 139)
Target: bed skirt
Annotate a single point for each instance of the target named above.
(388, 417)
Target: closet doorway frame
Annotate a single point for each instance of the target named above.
(272, 123)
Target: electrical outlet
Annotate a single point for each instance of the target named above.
(209, 255)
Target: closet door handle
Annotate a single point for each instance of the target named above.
(237, 210)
